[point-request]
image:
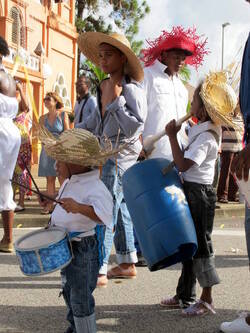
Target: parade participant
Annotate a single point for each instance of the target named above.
(241, 166)
(24, 124)
(167, 98)
(85, 203)
(9, 147)
(120, 117)
(196, 164)
(86, 104)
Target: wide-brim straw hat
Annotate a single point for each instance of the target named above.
(77, 146)
(219, 98)
(89, 45)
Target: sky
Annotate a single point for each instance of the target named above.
(207, 16)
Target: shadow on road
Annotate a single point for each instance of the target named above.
(113, 319)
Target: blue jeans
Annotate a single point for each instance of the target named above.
(79, 280)
(247, 229)
(121, 225)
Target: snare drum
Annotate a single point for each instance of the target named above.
(43, 251)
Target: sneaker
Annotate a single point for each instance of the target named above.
(6, 247)
(239, 325)
(19, 208)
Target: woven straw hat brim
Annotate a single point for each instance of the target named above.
(77, 146)
(89, 45)
(220, 101)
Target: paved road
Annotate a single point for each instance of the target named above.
(31, 305)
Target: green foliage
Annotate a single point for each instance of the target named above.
(126, 14)
(95, 74)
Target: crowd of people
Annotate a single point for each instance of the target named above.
(131, 104)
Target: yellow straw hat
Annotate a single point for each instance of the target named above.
(77, 146)
(89, 45)
(219, 99)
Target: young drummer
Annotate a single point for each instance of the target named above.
(85, 203)
(196, 165)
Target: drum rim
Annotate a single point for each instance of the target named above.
(19, 240)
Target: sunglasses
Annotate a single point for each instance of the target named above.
(47, 98)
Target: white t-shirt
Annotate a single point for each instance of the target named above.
(86, 188)
(167, 99)
(202, 149)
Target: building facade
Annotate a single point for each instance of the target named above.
(43, 34)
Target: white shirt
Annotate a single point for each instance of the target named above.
(85, 188)
(167, 99)
(202, 149)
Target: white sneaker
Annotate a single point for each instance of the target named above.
(239, 325)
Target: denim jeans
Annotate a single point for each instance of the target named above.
(247, 228)
(122, 226)
(79, 280)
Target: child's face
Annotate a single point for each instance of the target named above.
(62, 169)
(111, 60)
(197, 108)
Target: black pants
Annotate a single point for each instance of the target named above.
(201, 200)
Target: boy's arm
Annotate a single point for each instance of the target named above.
(183, 164)
(71, 206)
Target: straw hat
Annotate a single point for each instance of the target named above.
(219, 99)
(77, 146)
(89, 45)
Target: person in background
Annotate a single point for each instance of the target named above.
(85, 104)
(167, 99)
(56, 121)
(24, 123)
(10, 141)
(4, 52)
(231, 144)
(241, 166)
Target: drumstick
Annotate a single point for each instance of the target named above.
(33, 180)
(37, 192)
(148, 143)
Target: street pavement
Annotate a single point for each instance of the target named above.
(31, 305)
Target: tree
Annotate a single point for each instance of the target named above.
(125, 15)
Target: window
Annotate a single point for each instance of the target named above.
(18, 30)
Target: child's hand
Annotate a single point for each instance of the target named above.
(70, 205)
(171, 128)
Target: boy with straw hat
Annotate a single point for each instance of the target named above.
(85, 203)
(167, 99)
(120, 117)
(213, 104)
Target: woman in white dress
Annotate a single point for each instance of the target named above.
(9, 147)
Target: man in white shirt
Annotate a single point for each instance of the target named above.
(167, 99)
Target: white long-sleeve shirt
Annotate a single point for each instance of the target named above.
(167, 99)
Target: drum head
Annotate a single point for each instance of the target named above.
(40, 238)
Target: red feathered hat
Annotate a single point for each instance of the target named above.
(178, 38)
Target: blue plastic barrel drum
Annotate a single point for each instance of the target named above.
(160, 213)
